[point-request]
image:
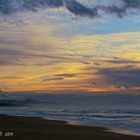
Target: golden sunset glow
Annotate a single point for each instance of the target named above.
(42, 56)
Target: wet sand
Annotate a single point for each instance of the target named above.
(29, 128)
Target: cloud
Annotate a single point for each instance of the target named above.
(121, 61)
(128, 77)
(79, 9)
(66, 75)
(120, 11)
(76, 7)
(21, 57)
(8, 7)
(52, 79)
(10, 57)
(58, 77)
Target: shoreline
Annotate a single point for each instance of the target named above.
(37, 128)
(106, 127)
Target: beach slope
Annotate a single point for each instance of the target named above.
(28, 128)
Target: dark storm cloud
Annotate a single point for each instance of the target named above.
(8, 6)
(122, 10)
(73, 6)
(11, 6)
(132, 3)
(79, 9)
(122, 77)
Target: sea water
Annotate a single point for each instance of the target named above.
(121, 111)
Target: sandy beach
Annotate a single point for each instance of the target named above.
(28, 128)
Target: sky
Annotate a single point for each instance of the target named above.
(70, 46)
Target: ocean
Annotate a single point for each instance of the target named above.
(114, 110)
